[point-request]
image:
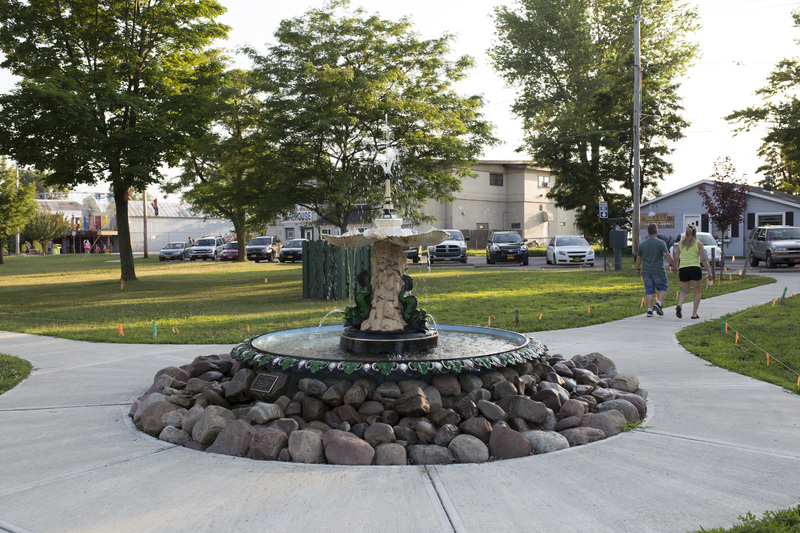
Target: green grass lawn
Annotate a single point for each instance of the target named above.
(12, 371)
(81, 297)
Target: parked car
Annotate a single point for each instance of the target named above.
(174, 251)
(454, 248)
(414, 253)
(506, 247)
(569, 249)
(710, 244)
(292, 251)
(774, 245)
(206, 248)
(230, 252)
(263, 248)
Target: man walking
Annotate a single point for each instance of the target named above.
(650, 264)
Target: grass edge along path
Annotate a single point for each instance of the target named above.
(760, 342)
(12, 371)
(781, 521)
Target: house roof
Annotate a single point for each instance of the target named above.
(165, 209)
(64, 206)
(758, 192)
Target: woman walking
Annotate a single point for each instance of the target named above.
(688, 255)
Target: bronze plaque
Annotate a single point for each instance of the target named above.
(264, 383)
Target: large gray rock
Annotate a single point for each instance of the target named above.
(145, 402)
(585, 377)
(524, 408)
(312, 387)
(441, 417)
(389, 389)
(426, 432)
(623, 406)
(624, 381)
(264, 413)
(572, 408)
(492, 411)
(478, 427)
(343, 448)
(546, 441)
(434, 397)
(412, 403)
(190, 418)
(446, 434)
(505, 443)
(379, 433)
(390, 454)
(582, 435)
(447, 384)
(306, 447)
(267, 443)
(196, 386)
(174, 435)
(609, 422)
(469, 382)
(239, 387)
(468, 449)
(603, 363)
(466, 408)
(430, 454)
(355, 395)
(234, 439)
(502, 389)
(287, 425)
(637, 401)
(214, 420)
(174, 418)
(152, 420)
(313, 408)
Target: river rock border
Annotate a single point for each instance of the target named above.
(539, 406)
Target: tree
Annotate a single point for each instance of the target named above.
(780, 115)
(727, 201)
(572, 62)
(230, 170)
(46, 226)
(101, 90)
(332, 80)
(17, 204)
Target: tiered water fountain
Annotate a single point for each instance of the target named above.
(385, 332)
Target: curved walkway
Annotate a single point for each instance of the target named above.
(716, 446)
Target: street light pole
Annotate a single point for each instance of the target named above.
(17, 166)
(637, 112)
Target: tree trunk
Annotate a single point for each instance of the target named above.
(241, 239)
(124, 234)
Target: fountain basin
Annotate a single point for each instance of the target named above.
(315, 352)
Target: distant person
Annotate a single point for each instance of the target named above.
(689, 254)
(155, 206)
(27, 248)
(650, 263)
(87, 246)
(50, 247)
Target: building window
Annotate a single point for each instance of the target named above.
(544, 181)
(516, 225)
(496, 179)
(289, 233)
(482, 225)
(770, 219)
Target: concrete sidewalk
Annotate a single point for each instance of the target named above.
(716, 446)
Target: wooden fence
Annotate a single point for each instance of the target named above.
(329, 272)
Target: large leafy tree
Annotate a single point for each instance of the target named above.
(331, 80)
(17, 204)
(46, 226)
(780, 115)
(100, 92)
(572, 61)
(231, 170)
(727, 200)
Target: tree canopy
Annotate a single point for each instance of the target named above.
(101, 90)
(17, 204)
(330, 83)
(727, 201)
(780, 113)
(572, 61)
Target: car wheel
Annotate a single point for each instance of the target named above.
(162, 258)
(591, 264)
(525, 262)
(769, 262)
(191, 259)
(547, 260)
(464, 260)
(753, 259)
(416, 260)
(282, 260)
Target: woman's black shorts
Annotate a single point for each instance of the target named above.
(690, 274)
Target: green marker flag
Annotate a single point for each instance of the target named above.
(155, 329)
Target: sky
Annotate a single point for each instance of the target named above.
(741, 41)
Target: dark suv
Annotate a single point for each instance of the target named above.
(774, 245)
(506, 247)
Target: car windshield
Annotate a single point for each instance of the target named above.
(232, 245)
(571, 241)
(206, 242)
(296, 243)
(507, 238)
(174, 246)
(260, 241)
(784, 233)
(706, 239)
(456, 235)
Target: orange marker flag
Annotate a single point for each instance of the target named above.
(733, 260)
(737, 338)
(642, 304)
(540, 316)
(726, 328)
(740, 272)
(790, 294)
(773, 302)
(248, 328)
(768, 358)
(265, 280)
(121, 284)
(798, 381)
(119, 327)
(490, 319)
(589, 310)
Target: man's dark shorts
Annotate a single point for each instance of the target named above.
(693, 273)
(655, 282)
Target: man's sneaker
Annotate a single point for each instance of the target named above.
(657, 307)
(649, 314)
(678, 312)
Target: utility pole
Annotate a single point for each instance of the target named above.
(17, 167)
(637, 112)
(144, 221)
